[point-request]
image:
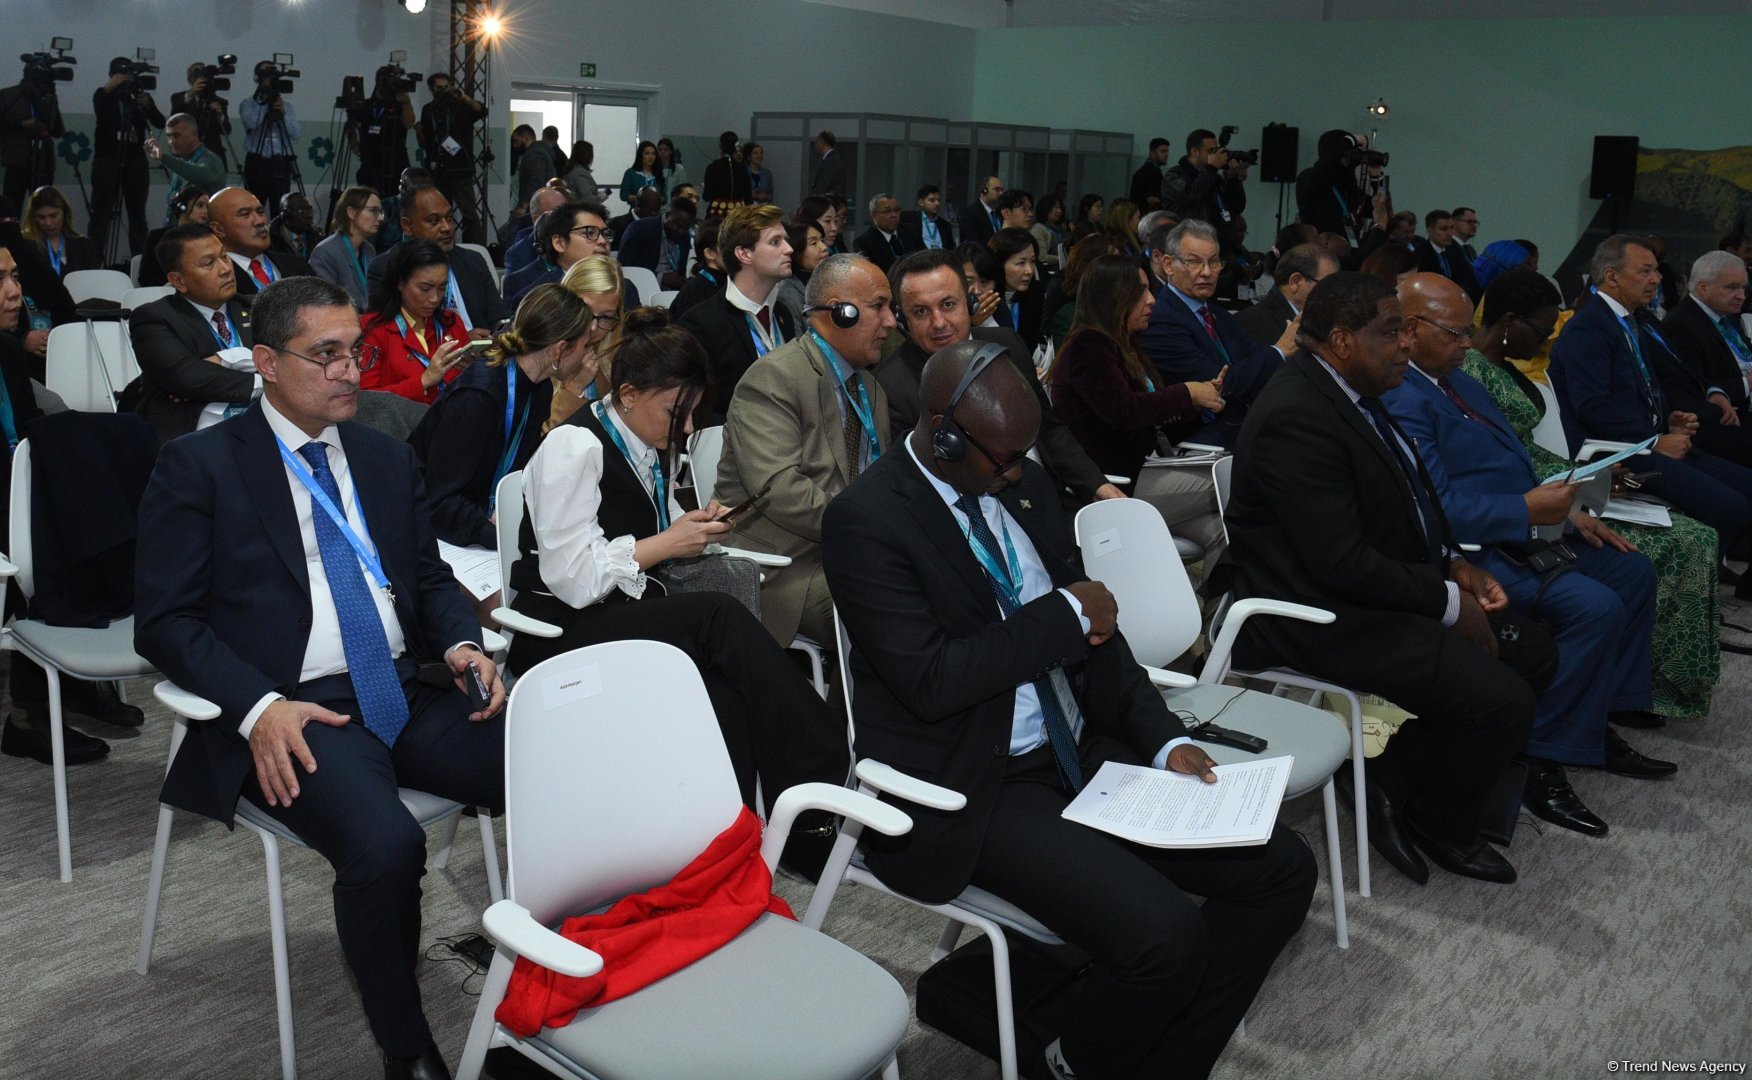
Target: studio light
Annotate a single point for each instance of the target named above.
(490, 27)
(1378, 107)
(415, 7)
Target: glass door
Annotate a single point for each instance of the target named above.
(613, 122)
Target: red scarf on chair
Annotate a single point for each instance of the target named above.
(645, 937)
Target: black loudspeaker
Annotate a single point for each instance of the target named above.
(1614, 175)
(1278, 145)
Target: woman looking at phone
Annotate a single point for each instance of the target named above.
(419, 340)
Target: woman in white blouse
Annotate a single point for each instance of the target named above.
(601, 515)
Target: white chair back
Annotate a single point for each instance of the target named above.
(18, 541)
(142, 295)
(508, 525)
(86, 285)
(1127, 547)
(662, 299)
(643, 280)
(134, 269)
(1548, 433)
(88, 363)
(652, 794)
(703, 454)
(1222, 471)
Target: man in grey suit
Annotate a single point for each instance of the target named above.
(829, 176)
(804, 422)
(1297, 272)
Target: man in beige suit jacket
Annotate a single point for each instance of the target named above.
(803, 422)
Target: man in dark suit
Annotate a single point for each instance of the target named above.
(193, 347)
(926, 227)
(1298, 271)
(980, 221)
(471, 292)
(1601, 605)
(829, 175)
(660, 244)
(1603, 373)
(1437, 253)
(308, 637)
(1711, 351)
(1331, 508)
(882, 243)
(520, 252)
(1146, 183)
(1191, 339)
(742, 324)
(994, 668)
(930, 303)
(565, 236)
(236, 218)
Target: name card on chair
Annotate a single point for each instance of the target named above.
(571, 686)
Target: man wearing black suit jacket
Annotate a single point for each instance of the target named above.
(742, 324)
(1191, 339)
(1298, 271)
(1331, 507)
(1710, 344)
(308, 637)
(883, 243)
(926, 228)
(829, 175)
(184, 343)
(980, 221)
(1014, 691)
(1437, 253)
(236, 218)
(471, 293)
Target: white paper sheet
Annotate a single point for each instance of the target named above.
(1173, 810)
(476, 567)
(1637, 512)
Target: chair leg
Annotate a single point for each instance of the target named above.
(154, 883)
(891, 1071)
(1006, 1006)
(490, 856)
(58, 758)
(1335, 863)
(946, 941)
(1360, 810)
(282, 965)
(441, 858)
(482, 1031)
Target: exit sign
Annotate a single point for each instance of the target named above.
(587, 71)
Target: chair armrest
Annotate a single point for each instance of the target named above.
(1164, 679)
(512, 926)
(1201, 448)
(1593, 448)
(492, 641)
(1118, 481)
(7, 569)
(758, 558)
(891, 781)
(840, 801)
(1470, 548)
(1217, 664)
(519, 623)
(183, 703)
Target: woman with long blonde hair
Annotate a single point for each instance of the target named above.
(596, 281)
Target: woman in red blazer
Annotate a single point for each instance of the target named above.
(419, 339)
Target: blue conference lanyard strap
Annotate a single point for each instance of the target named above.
(860, 405)
(659, 485)
(513, 438)
(319, 498)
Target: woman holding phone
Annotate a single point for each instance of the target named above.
(419, 340)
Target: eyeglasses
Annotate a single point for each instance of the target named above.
(374, 211)
(1000, 466)
(1463, 334)
(592, 233)
(607, 322)
(334, 364)
(1215, 266)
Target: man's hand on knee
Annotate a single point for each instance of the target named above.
(278, 738)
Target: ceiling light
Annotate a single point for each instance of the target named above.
(414, 7)
(1378, 107)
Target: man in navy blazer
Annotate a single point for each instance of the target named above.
(1606, 388)
(251, 595)
(659, 244)
(1603, 612)
(1709, 351)
(1186, 348)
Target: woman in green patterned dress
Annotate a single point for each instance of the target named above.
(1520, 310)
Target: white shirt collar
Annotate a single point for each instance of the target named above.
(1422, 372)
(207, 313)
(948, 494)
(291, 434)
(642, 454)
(1192, 304)
(741, 301)
(1617, 309)
(1343, 384)
(1709, 313)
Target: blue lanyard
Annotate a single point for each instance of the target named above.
(7, 420)
(933, 238)
(453, 300)
(319, 497)
(861, 405)
(1007, 579)
(761, 348)
(707, 274)
(659, 486)
(512, 441)
(401, 325)
(1741, 354)
(355, 262)
(57, 254)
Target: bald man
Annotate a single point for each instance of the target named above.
(975, 657)
(1598, 594)
(521, 251)
(237, 219)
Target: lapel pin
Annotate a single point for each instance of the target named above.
(1024, 504)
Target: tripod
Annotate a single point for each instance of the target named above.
(343, 159)
(283, 173)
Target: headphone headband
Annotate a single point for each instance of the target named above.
(947, 444)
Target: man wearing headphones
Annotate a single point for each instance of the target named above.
(987, 663)
(804, 422)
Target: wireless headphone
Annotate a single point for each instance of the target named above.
(845, 314)
(971, 301)
(947, 443)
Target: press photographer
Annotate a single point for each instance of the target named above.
(201, 101)
(119, 173)
(1328, 196)
(270, 126)
(446, 132)
(30, 122)
(378, 127)
(1207, 183)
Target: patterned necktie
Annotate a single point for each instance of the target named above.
(222, 327)
(854, 434)
(1210, 322)
(1059, 734)
(1453, 395)
(260, 272)
(1737, 344)
(382, 703)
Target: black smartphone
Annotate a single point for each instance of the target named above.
(729, 516)
(1638, 479)
(476, 688)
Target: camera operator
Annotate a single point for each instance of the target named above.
(378, 128)
(270, 126)
(446, 132)
(211, 112)
(1327, 195)
(119, 173)
(1207, 183)
(30, 122)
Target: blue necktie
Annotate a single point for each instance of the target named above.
(1058, 731)
(1731, 334)
(1651, 390)
(381, 701)
(1419, 494)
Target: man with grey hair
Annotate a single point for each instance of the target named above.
(188, 162)
(1298, 271)
(882, 242)
(1191, 339)
(803, 424)
(521, 251)
(1707, 335)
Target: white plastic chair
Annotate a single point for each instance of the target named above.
(134, 269)
(1549, 433)
(141, 295)
(662, 299)
(1124, 544)
(705, 449)
(508, 524)
(597, 809)
(975, 907)
(85, 285)
(426, 809)
(95, 655)
(498, 272)
(89, 363)
(643, 280)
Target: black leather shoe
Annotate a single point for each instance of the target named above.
(101, 702)
(32, 741)
(1480, 860)
(1622, 759)
(1386, 833)
(1637, 718)
(428, 1066)
(1549, 796)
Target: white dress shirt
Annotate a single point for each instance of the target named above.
(1028, 728)
(562, 485)
(740, 301)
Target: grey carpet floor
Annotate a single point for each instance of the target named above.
(1636, 947)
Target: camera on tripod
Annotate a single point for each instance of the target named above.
(42, 70)
(214, 73)
(393, 79)
(280, 74)
(1251, 157)
(1371, 159)
(142, 74)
